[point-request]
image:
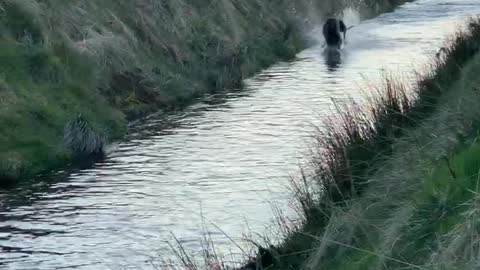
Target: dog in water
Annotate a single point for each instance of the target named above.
(332, 32)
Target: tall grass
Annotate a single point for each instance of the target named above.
(82, 140)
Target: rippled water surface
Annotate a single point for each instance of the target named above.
(228, 157)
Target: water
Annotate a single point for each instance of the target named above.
(227, 158)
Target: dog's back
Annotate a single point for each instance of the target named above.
(331, 32)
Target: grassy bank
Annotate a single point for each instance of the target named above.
(73, 73)
(397, 187)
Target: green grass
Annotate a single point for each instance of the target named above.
(42, 87)
(441, 203)
(41, 90)
(397, 190)
(442, 207)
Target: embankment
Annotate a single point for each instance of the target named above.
(397, 187)
(73, 73)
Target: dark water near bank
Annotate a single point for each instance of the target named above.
(228, 158)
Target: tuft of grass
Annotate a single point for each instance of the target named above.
(349, 144)
(82, 140)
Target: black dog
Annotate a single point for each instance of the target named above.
(332, 30)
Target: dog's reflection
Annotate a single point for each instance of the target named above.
(333, 57)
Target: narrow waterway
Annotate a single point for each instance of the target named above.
(227, 158)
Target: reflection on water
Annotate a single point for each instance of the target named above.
(227, 157)
(333, 58)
